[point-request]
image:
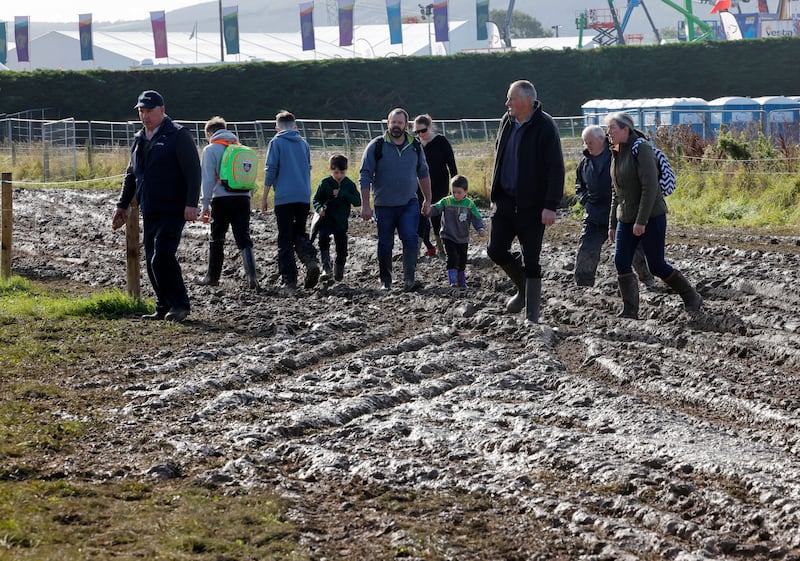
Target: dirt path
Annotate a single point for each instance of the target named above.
(587, 437)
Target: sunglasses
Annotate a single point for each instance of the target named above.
(421, 131)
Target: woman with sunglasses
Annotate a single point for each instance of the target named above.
(442, 166)
(639, 215)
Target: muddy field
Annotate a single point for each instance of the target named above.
(587, 437)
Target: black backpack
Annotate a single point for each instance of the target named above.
(379, 148)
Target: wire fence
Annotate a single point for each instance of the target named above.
(319, 133)
(69, 149)
(63, 146)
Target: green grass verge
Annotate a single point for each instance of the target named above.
(77, 520)
(19, 297)
(59, 356)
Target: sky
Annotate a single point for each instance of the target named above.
(101, 10)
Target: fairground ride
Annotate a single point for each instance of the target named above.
(605, 22)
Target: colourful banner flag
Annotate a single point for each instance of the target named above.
(395, 21)
(230, 26)
(721, 6)
(440, 25)
(3, 43)
(85, 34)
(158, 20)
(307, 25)
(21, 33)
(345, 23)
(482, 17)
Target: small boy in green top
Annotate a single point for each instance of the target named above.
(332, 201)
(458, 212)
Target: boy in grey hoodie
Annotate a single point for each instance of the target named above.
(224, 207)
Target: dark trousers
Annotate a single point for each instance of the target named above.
(162, 234)
(339, 239)
(424, 231)
(652, 241)
(593, 236)
(456, 254)
(526, 226)
(293, 238)
(231, 211)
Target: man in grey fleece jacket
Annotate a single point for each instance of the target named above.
(391, 168)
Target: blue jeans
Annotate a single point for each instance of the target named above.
(162, 234)
(593, 236)
(403, 219)
(652, 241)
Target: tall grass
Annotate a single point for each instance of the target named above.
(738, 179)
(18, 297)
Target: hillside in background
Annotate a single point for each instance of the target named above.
(262, 15)
(452, 87)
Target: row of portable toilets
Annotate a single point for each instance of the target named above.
(774, 115)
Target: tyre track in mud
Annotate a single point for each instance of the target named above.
(669, 437)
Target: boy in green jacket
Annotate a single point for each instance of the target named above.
(332, 201)
(458, 212)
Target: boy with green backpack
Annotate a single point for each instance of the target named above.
(229, 176)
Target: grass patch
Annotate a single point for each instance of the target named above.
(60, 356)
(65, 521)
(19, 297)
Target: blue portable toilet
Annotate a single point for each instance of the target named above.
(644, 112)
(781, 114)
(591, 111)
(594, 111)
(739, 113)
(687, 111)
(614, 106)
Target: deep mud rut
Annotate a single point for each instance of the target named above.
(587, 437)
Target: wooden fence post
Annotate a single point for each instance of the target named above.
(7, 222)
(132, 261)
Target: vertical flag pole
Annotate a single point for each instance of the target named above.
(221, 42)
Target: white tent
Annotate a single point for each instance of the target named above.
(548, 43)
(126, 50)
(58, 50)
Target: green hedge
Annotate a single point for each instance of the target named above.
(451, 87)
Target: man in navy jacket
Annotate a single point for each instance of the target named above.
(164, 176)
(527, 187)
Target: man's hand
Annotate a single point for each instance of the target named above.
(190, 213)
(366, 212)
(119, 218)
(548, 217)
(426, 208)
(265, 200)
(638, 229)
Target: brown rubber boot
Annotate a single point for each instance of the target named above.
(691, 298)
(629, 290)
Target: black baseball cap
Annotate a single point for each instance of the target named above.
(149, 99)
